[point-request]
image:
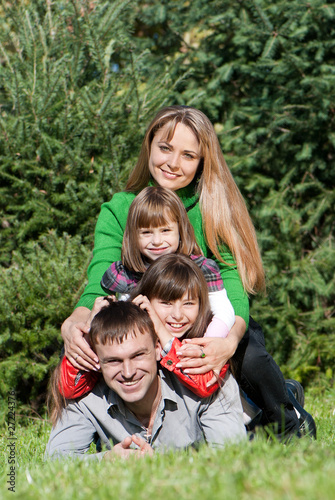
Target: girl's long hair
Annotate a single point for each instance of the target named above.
(55, 400)
(225, 216)
(168, 278)
(155, 206)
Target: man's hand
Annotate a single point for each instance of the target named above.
(124, 449)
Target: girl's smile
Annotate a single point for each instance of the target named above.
(156, 241)
(178, 316)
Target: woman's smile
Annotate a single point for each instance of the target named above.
(169, 175)
(174, 163)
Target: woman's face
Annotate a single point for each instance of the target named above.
(174, 164)
(177, 316)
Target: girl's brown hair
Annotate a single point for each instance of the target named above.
(168, 278)
(55, 400)
(155, 206)
(225, 216)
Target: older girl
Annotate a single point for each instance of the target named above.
(157, 224)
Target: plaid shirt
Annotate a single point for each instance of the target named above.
(119, 279)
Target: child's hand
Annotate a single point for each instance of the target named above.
(99, 304)
(144, 303)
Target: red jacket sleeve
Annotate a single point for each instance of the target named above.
(196, 383)
(74, 383)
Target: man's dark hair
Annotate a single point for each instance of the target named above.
(118, 320)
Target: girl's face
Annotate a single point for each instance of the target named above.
(178, 316)
(174, 164)
(156, 241)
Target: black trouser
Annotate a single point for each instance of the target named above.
(260, 377)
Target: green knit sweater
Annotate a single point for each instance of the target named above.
(108, 242)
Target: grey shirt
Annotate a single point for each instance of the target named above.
(182, 419)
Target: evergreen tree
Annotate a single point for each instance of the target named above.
(76, 96)
(74, 106)
(37, 292)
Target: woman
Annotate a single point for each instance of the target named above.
(181, 151)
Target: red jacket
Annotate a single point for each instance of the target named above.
(196, 383)
(75, 383)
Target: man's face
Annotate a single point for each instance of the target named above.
(130, 368)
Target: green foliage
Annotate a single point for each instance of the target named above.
(37, 292)
(72, 96)
(79, 82)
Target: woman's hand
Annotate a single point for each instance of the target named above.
(217, 352)
(201, 355)
(77, 349)
(75, 334)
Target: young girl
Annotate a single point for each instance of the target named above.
(157, 225)
(174, 292)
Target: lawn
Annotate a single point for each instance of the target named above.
(259, 469)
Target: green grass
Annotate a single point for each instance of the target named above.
(302, 469)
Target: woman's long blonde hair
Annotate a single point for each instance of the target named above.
(226, 219)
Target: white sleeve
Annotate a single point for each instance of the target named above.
(222, 308)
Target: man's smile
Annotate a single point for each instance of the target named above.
(130, 383)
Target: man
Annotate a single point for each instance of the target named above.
(137, 408)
